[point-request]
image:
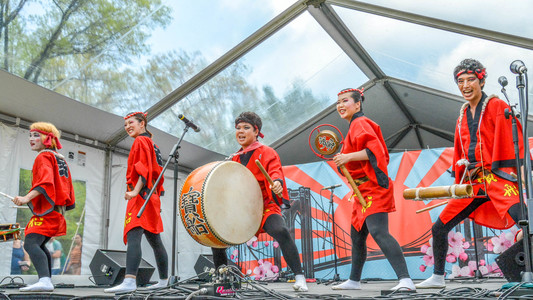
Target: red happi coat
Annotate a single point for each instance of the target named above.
(51, 177)
(144, 162)
(491, 146)
(272, 164)
(378, 190)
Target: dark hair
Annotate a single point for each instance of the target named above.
(250, 117)
(139, 116)
(470, 66)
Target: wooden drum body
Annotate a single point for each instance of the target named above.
(221, 204)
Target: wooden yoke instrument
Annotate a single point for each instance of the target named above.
(454, 191)
(326, 142)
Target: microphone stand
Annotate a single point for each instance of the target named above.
(336, 277)
(174, 155)
(527, 275)
(523, 223)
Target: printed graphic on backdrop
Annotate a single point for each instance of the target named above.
(310, 221)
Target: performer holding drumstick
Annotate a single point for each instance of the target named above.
(366, 157)
(247, 129)
(144, 166)
(50, 195)
(484, 156)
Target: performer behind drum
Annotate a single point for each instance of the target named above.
(144, 166)
(483, 148)
(50, 195)
(366, 157)
(247, 129)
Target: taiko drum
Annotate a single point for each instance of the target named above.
(221, 204)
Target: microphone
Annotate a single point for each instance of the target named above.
(332, 186)
(518, 67)
(503, 81)
(188, 123)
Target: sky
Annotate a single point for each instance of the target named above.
(302, 49)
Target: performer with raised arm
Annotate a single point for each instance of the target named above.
(51, 194)
(247, 130)
(144, 166)
(366, 157)
(484, 156)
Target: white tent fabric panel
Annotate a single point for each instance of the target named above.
(9, 185)
(16, 154)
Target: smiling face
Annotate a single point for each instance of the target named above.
(347, 107)
(36, 141)
(470, 86)
(134, 127)
(246, 134)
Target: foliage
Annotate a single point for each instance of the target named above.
(44, 42)
(95, 52)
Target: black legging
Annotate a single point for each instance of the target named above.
(35, 245)
(378, 226)
(440, 231)
(275, 227)
(134, 252)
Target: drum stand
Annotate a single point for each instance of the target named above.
(174, 155)
(526, 212)
(336, 276)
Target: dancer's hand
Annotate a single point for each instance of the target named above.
(130, 195)
(21, 200)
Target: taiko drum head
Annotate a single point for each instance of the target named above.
(326, 142)
(221, 204)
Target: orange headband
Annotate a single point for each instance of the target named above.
(133, 114)
(352, 90)
(49, 137)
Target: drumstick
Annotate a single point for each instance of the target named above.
(431, 207)
(7, 196)
(260, 166)
(354, 186)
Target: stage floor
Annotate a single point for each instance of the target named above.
(481, 289)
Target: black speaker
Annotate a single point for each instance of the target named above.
(205, 261)
(108, 267)
(512, 262)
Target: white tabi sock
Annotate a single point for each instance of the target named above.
(406, 284)
(433, 282)
(43, 285)
(162, 283)
(348, 285)
(128, 285)
(299, 283)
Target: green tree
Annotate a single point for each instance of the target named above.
(49, 37)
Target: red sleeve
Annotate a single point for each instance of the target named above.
(143, 163)
(503, 154)
(43, 174)
(272, 164)
(43, 182)
(139, 161)
(371, 139)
